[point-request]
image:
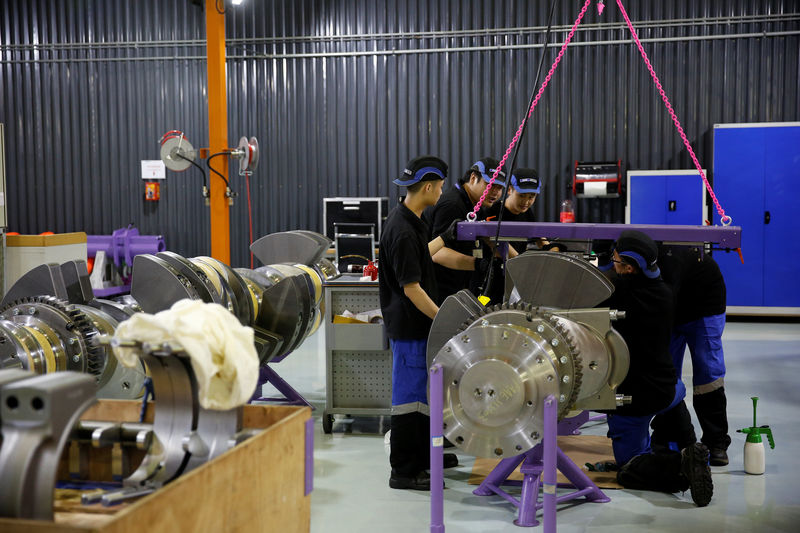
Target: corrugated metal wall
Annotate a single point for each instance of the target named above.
(341, 94)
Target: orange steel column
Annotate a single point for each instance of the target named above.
(217, 131)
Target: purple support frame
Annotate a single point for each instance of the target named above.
(309, 478)
(724, 236)
(542, 461)
(290, 396)
(436, 381)
(549, 483)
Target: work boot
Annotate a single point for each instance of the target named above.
(422, 481)
(694, 467)
(450, 460)
(719, 457)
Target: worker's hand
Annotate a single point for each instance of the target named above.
(604, 250)
(554, 247)
(449, 235)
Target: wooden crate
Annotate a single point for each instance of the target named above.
(259, 485)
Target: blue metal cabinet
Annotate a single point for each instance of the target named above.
(665, 197)
(756, 171)
(781, 205)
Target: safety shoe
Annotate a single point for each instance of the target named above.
(450, 460)
(694, 467)
(719, 457)
(422, 481)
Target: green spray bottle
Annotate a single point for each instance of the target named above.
(754, 462)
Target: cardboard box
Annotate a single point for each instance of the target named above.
(259, 485)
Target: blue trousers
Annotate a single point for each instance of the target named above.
(704, 338)
(630, 435)
(410, 424)
(409, 376)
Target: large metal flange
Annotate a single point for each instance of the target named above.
(496, 379)
(542, 322)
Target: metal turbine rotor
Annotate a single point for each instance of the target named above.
(501, 362)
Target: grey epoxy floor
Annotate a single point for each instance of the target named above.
(351, 492)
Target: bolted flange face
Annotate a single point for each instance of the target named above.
(496, 379)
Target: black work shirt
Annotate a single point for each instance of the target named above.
(647, 329)
(696, 281)
(404, 258)
(453, 204)
(493, 214)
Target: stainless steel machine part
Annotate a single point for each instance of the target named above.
(8, 376)
(156, 284)
(291, 247)
(37, 414)
(499, 362)
(236, 288)
(68, 282)
(496, 380)
(50, 335)
(558, 280)
(50, 318)
(185, 435)
(454, 312)
(196, 276)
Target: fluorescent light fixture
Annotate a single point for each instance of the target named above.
(237, 2)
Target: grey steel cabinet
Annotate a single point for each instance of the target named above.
(358, 359)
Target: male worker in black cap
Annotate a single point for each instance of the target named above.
(524, 187)
(463, 265)
(651, 381)
(407, 287)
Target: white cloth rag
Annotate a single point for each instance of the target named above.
(221, 349)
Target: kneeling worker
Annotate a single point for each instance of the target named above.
(651, 381)
(407, 285)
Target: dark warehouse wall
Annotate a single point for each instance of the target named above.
(341, 94)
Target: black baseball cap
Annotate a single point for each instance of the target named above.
(422, 168)
(486, 167)
(641, 249)
(526, 181)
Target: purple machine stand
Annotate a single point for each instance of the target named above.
(290, 396)
(121, 247)
(538, 464)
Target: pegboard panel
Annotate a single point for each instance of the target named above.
(355, 302)
(362, 379)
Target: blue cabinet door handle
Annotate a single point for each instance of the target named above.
(766, 217)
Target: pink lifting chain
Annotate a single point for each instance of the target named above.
(473, 215)
(725, 219)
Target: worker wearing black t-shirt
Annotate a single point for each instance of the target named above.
(651, 381)
(699, 290)
(463, 265)
(523, 189)
(407, 286)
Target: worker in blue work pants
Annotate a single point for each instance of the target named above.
(651, 381)
(407, 287)
(700, 300)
